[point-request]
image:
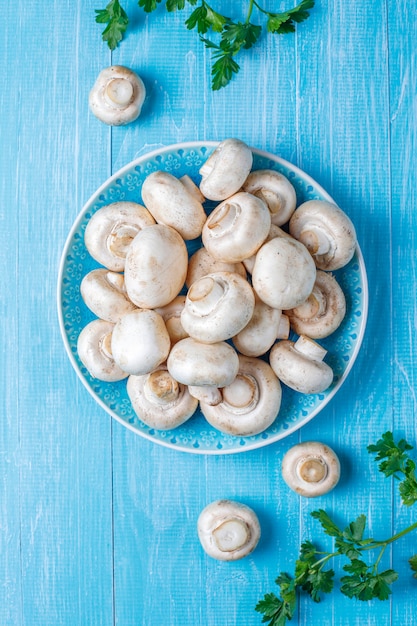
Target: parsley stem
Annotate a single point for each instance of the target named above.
(250, 9)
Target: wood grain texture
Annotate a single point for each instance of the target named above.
(97, 525)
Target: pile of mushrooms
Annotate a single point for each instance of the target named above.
(213, 330)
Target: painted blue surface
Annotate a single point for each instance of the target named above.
(98, 525)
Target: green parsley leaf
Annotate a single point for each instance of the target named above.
(277, 611)
(241, 35)
(117, 21)
(205, 19)
(149, 5)
(413, 564)
(284, 22)
(329, 527)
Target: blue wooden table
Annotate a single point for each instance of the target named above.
(97, 524)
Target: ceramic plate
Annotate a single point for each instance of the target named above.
(197, 435)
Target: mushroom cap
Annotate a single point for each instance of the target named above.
(140, 342)
(236, 228)
(275, 190)
(171, 314)
(105, 295)
(202, 263)
(217, 307)
(226, 169)
(156, 266)
(171, 203)
(323, 311)
(117, 96)
(284, 273)
(274, 231)
(311, 469)
(326, 231)
(250, 403)
(94, 351)
(111, 230)
(228, 530)
(261, 332)
(201, 364)
(159, 400)
(299, 366)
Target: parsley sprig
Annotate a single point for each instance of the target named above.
(363, 580)
(233, 36)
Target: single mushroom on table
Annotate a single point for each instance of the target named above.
(323, 311)
(226, 169)
(156, 266)
(203, 367)
(105, 295)
(171, 202)
(311, 469)
(300, 365)
(228, 530)
(236, 228)
(250, 403)
(217, 307)
(326, 231)
(275, 190)
(111, 230)
(94, 351)
(117, 96)
(159, 400)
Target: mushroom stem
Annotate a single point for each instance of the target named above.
(120, 238)
(205, 294)
(104, 345)
(310, 348)
(242, 394)
(312, 469)
(209, 394)
(314, 306)
(224, 218)
(118, 92)
(161, 387)
(231, 535)
(315, 240)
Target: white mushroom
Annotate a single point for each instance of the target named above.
(105, 295)
(323, 311)
(228, 530)
(156, 266)
(326, 231)
(171, 314)
(159, 400)
(140, 342)
(276, 191)
(264, 328)
(237, 228)
(111, 230)
(274, 231)
(226, 169)
(203, 367)
(311, 469)
(117, 96)
(217, 307)
(202, 263)
(250, 403)
(171, 203)
(284, 273)
(94, 350)
(300, 365)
